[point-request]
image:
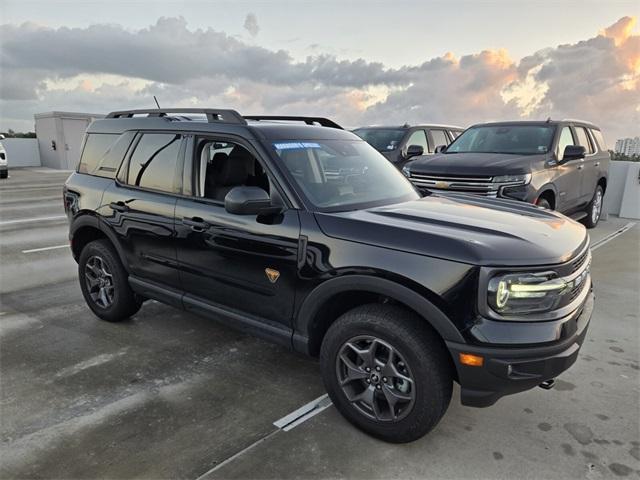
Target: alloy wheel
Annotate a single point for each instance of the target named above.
(375, 378)
(99, 281)
(597, 207)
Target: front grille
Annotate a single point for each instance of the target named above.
(479, 185)
(579, 269)
(578, 262)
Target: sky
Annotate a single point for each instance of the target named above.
(358, 62)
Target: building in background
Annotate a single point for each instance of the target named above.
(628, 146)
(60, 137)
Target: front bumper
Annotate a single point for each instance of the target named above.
(508, 370)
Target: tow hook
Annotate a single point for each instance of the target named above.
(548, 384)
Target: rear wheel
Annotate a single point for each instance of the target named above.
(104, 282)
(594, 209)
(4, 174)
(386, 372)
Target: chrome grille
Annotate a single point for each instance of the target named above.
(479, 185)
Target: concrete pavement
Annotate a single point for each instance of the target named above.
(171, 395)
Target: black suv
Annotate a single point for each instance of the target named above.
(304, 234)
(402, 143)
(560, 165)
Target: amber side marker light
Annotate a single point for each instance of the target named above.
(471, 360)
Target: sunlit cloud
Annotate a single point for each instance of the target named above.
(47, 68)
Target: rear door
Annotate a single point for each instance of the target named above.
(238, 263)
(590, 169)
(140, 205)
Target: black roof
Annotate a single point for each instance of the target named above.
(222, 121)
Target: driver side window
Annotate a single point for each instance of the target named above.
(223, 165)
(566, 138)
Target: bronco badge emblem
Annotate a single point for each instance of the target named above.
(272, 274)
(442, 184)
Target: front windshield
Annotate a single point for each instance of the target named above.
(514, 139)
(340, 175)
(382, 139)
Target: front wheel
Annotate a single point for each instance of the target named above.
(104, 282)
(386, 372)
(594, 209)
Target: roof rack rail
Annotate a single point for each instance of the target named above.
(213, 115)
(325, 122)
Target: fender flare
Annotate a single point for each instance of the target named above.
(417, 302)
(94, 221)
(546, 187)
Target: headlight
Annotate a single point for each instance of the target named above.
(522, 293)
(513, 179)
(406, 171)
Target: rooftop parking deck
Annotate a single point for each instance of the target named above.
(171, 395)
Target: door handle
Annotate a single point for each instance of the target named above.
(580, 167)
(196, 223)
(597, 164)
(119, 206)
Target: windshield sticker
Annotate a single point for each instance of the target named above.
(295, 145)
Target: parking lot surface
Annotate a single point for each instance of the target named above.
(171, 395)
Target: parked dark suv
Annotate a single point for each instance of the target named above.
(305, 235)
(560, 165)
(400, 144)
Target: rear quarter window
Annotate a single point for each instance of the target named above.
(599, 138)
(103, 153)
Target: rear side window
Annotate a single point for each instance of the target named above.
(583, 139)
(597, 134)
(154, 162)
(96, 150)
(439, 138)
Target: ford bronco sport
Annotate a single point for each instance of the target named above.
(302, 233)
(560, 165)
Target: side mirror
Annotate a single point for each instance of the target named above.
(573, 152)
(247, 201)
(414, 151)
(440, 149)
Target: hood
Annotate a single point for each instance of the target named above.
(463, 228)
(475, 164)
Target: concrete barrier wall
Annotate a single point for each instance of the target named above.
(623, 192)
(22, 152)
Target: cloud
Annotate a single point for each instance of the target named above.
(251, 24)
(106, 67)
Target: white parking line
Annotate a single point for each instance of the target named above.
(44, 249)
(613, 235)
(34, 219)
(303, 413)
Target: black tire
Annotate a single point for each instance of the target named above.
(543, 203)
(4, 174)
(594, 209)
(424, 356)
(123, 301)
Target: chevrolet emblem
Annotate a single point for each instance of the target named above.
(272, 274)
(442, 185)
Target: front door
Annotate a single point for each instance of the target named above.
(568, 178)
(239, 263)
